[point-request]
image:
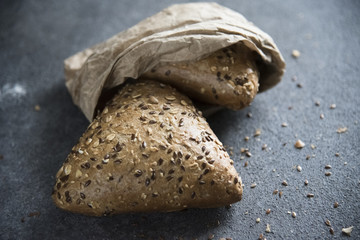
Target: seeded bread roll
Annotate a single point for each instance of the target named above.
(228, 77)
(149, 150)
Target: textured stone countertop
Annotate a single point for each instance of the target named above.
(35, 38)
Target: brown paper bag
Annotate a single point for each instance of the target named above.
(183, 32)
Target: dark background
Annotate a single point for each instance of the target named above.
(35, 38)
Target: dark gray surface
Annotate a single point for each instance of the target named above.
(35, 38)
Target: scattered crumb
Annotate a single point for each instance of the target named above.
(322, 116)
(211, 236)
(341, 130)
(331, 230)
(249, 115)
(264, 147)
(257, 220)
(345, 163)
(327, 222)
(22, 219)
(337, 154)
(246, 138)
(253, 185)
(308, 157)
(34, 214)
(268, 211)
(293, 214)
(327, 166)
(299, 85)
(280, 194)
(306, 182)
(267, 228)
(275, 192)
(312, 146)
(348, 230)
(327, 174)
(37, 108)
(299, 168)
(284, 124)
(299, 144)
(294, 78)
(310, 195)
(284, 183)
(257, 132)
(295, 53)
(248, 154)
(290, 107)
(332, 106)
(336, 204)
(246, 164)
(317, 103)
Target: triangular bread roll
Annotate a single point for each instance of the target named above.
(149, 150)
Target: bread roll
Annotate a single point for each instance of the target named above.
(149, 150)
(228, 77)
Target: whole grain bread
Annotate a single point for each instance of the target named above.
(149, 150)
(228, 77)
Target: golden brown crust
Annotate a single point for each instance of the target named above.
(228, 77)
(149, 150)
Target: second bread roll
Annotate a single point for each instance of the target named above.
(227, 77)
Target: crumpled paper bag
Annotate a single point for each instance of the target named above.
(182, 32)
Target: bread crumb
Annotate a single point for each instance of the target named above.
(267, 228)
(296, 53)
(341, 130)
(348, 230)
(299, 144)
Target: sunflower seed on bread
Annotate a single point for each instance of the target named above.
(149, 150)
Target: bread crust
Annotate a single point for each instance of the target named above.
(228, 77)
